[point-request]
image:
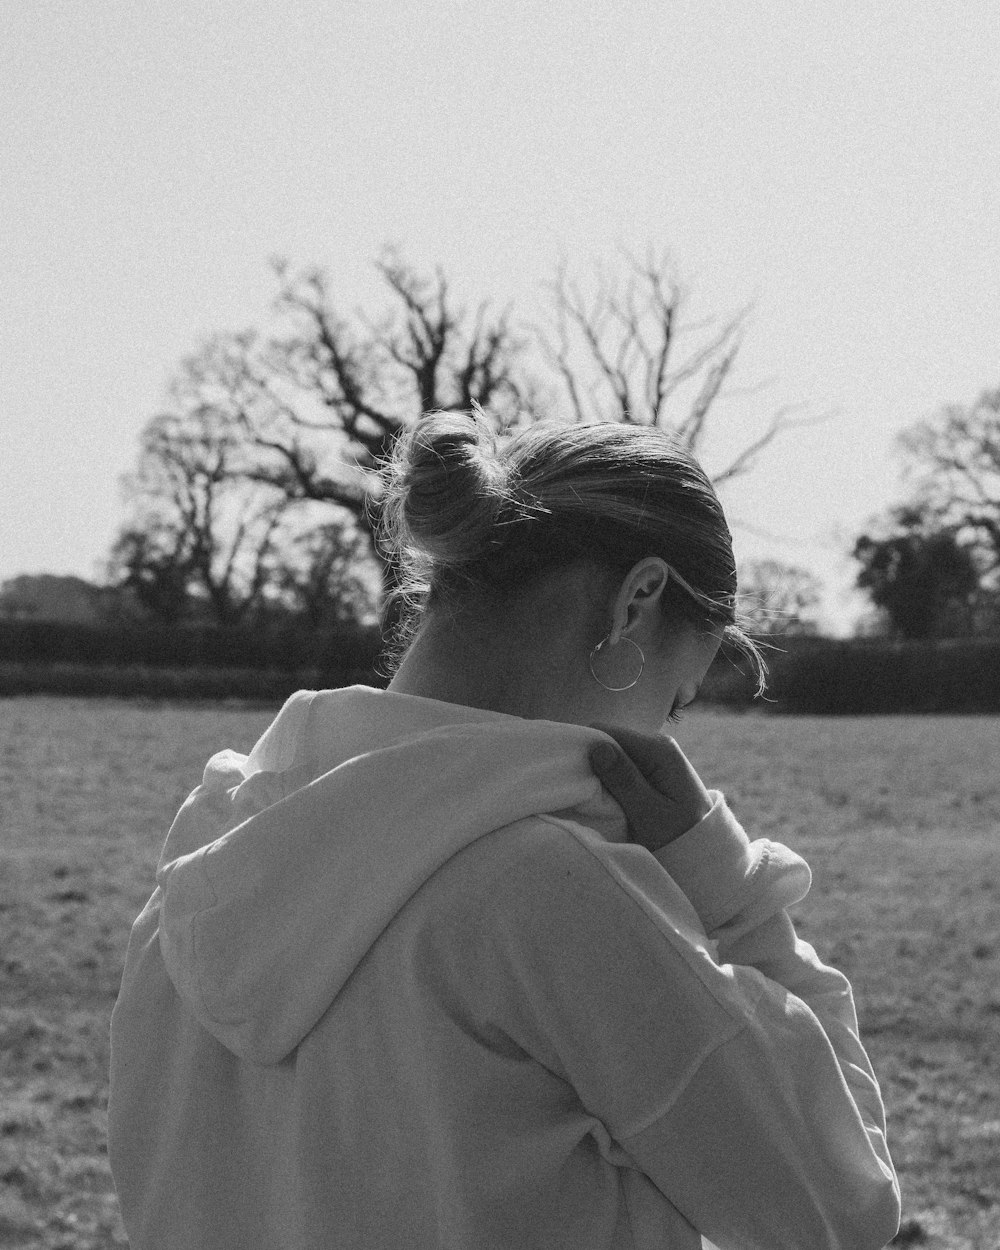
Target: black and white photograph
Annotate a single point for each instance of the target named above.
(499, 625)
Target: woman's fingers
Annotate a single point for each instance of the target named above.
(653, 782)
(617, 770)
(657, 757)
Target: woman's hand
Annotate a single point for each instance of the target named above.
(653, 781)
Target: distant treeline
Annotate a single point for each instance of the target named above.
(337, 652)
(807, 675)
(182, 662)
(861, 676)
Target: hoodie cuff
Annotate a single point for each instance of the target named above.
(711, 863)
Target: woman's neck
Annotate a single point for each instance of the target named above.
(517, 665)
(526, 656)
(451, 666)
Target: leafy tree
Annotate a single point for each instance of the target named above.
(924, 579)
(953, 465)
(778, 598)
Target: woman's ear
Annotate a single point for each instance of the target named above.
(638, 602)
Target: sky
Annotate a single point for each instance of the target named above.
(837, 165)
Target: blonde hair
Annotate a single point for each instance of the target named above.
(467, 515)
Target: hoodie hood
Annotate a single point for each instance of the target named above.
(285, 865)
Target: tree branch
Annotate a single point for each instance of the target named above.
(780, 422)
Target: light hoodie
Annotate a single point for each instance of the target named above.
(404, 982)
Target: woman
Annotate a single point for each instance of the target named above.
(415, 976)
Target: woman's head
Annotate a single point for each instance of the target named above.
(616, 524)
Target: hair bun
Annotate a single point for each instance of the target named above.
(444, 488)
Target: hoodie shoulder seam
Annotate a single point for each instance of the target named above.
(674, 940)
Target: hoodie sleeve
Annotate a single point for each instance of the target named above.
(727, 1068)
(741, 891)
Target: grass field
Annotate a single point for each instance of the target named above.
(899, 818)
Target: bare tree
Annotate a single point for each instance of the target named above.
(617, 351)
(261, 426)
(778, 598)
(149, 562)
(321, 574)
(316, 408)
(953, 466)
(323, 403)
(196, 532)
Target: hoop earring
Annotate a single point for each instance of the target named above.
(634, 681)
